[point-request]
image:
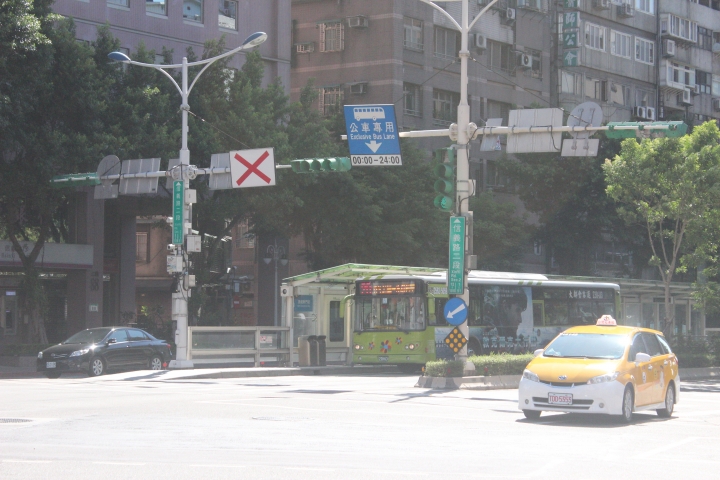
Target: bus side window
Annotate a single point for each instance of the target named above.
(538, 313)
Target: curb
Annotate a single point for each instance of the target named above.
(513, 381)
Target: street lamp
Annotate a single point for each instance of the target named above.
(182, 174)
(276, 253)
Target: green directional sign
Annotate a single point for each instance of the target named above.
(75, 180)
(456, 264)
(178, 204)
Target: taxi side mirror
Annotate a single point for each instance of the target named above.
(538, 352)
(642, 358)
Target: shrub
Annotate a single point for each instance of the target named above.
(22, 349)
(500, 364)
(444, 368)
(695, 360)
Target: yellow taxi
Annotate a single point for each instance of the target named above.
(602, 368)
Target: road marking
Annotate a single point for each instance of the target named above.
(120, 463)
(17, 460)
(214, 465)
(311, 469)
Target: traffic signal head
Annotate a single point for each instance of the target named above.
(445, 181)
(315, 165)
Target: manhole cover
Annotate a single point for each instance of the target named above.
(14, 420)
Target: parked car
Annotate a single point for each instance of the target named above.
(605, 368)
(97, 350)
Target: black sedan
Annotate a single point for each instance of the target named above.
(97, 350)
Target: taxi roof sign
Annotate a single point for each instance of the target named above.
(606, 320)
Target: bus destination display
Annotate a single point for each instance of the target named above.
(386, 288)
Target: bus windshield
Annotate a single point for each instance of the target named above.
(401, 313)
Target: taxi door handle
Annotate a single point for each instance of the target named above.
(649, 367)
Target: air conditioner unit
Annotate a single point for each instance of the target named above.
(305, 47)
(650, 113)
(601, 4)
(716, 104)
(686, 97)
(359, 21)
(668, 48)
(626, 10)
(639, 112)
(359, 88)
(480, 41)
(509, 15)
(524, 61)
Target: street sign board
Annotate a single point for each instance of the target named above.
(456, 263)
(570, 38)
(139, 186)
(252, 168)
(455, 311)
(178, 205)
(372, 134)
(534, 142)
(455, 340)
(571, 19)
(580, 147)
(571, 57)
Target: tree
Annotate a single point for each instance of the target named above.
(672, 187)
(498, 234)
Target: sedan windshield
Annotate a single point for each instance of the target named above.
(587, 345)
(92, 335)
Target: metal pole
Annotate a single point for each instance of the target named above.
(275, 284)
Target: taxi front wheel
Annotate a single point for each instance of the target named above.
(669, 402)
(532, 414)
(628, 405)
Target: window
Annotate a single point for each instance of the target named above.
(141, 247)
(620, 44)
(704, 81)
(570, 83)
(122, 3)
(447, 43)
(498, 110)
(227, 14)
(332, 37)
(536, 61)
(646, 6)
(705, 38)
(596, 89)
(495, 179)
(158, 7)
(135, 335)
(619, 94)
(716, 85)
(502, 56)
(413, 39)
(678, 27)
(331, 98)
(645, 51)
(644, 98)
(193, 10)
(594, 36)
(681, 74)
(243, 237)
(413, 99)
(119, 336)
(445, 107)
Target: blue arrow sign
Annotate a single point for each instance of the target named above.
(372, 135)
(455, 311)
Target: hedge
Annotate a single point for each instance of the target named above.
(696, 360)
(21, 349)
(486, 365)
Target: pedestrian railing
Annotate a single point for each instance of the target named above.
(254, 346)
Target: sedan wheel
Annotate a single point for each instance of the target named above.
(97, 367)
(669, 402)
(628, 405)
(532, 414)
(156, 363)
(52, 374)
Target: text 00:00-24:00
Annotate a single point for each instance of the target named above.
(376, 160)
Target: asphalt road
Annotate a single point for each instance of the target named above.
(140, 425)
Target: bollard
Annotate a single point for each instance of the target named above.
(321, 350)
(312, 341)
(303, 351)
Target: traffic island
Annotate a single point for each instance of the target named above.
(493, 382)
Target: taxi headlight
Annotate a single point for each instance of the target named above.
(77, 353)
(608, 377)
(528, 375)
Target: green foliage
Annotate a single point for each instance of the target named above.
(502, 364)
(499, 233)
(696, 360)
(444, 368)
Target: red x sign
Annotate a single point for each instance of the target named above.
(252, 168)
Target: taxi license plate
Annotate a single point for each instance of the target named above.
(560, 398)
(50, 365)
(382, 358)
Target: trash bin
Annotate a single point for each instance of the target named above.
(321, 347)
(303, 351)
(313, 343)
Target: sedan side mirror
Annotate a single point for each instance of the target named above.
(538, 352)
(111, 340)
(642, 358)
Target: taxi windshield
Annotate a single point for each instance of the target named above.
(587, 345)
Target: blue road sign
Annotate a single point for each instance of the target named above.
(455, 311)
(372, 135)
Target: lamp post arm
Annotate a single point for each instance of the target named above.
(160, 68)
(200, 72)
(449, 17)
(481, 13)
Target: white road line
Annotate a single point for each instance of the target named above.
(214, 465)
(17, 460)
(120, 463)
